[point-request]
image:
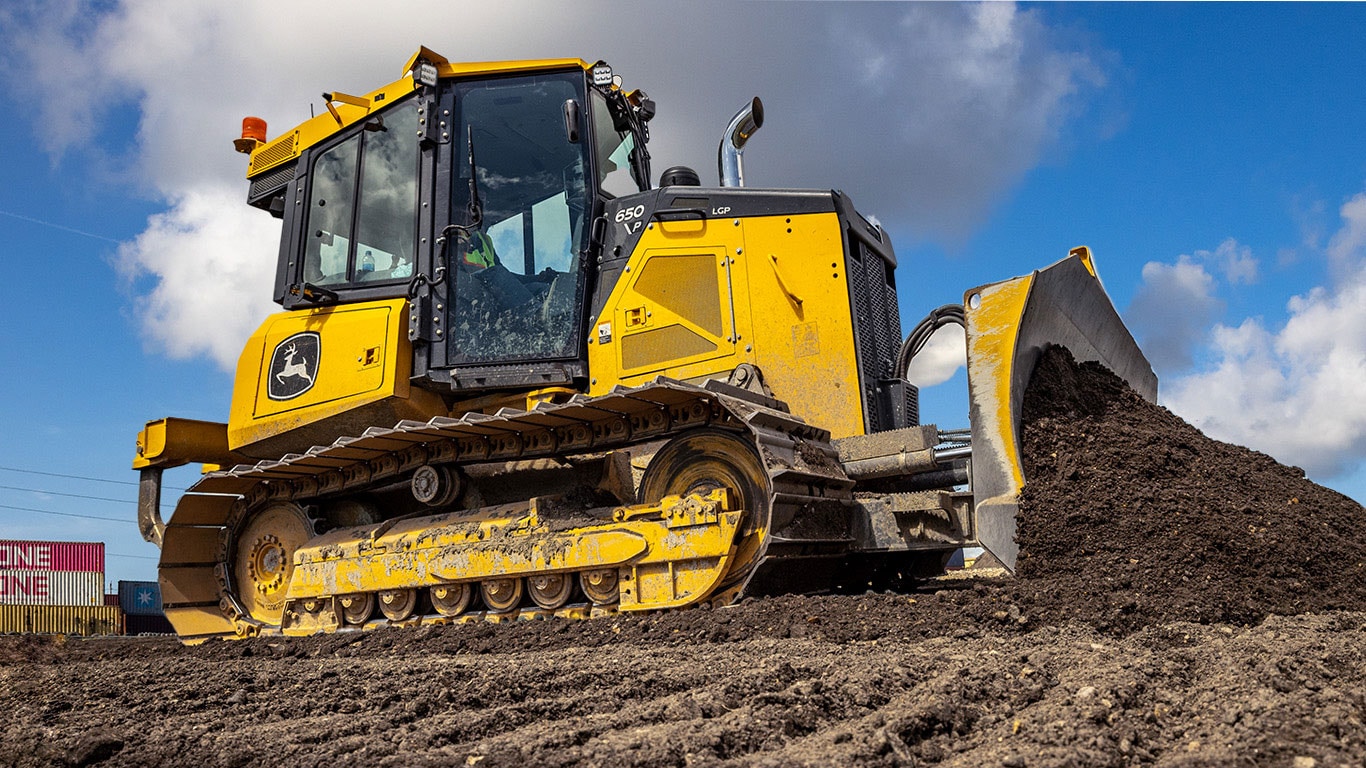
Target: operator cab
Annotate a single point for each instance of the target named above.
(474, 197)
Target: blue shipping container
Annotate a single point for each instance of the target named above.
(140, 598)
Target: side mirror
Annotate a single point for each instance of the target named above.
(571, 121)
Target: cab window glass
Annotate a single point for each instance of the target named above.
(331, 209)
(362, 213)
(517, 273)
(388, 199)
(507, 239)
(613, 152)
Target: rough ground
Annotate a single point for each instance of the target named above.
(1181, 602)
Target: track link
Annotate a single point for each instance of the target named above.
(805, 515)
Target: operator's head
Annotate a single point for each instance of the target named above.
(479, 252)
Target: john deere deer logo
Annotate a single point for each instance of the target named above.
(294, 366)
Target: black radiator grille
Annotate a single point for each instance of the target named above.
(877, 323)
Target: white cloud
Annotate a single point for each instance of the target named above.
(925, 114)
(213, 259)
(940, 358)
(1176, 304)
(1234, 260)
(1171, 310)
(41, 61)
(1349, 243)
(1293, 391)
(944, 109)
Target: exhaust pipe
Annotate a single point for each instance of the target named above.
(742, 126)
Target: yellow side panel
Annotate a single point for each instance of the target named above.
(803, 335)
(672, 311)
(703, 296)
(301, 367)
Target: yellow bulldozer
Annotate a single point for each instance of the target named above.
(514, 378)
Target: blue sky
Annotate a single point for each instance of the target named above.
(1211, 155)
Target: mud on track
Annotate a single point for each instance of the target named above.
(1181, 602)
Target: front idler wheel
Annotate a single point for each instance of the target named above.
(261, 559)
(705, 460)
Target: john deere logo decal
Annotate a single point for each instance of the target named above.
(294, 366)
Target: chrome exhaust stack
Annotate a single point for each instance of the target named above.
(745, 123)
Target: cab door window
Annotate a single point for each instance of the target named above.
(362, 215)
(333, 206)
(613, 151)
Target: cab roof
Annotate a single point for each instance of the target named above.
(344, 110)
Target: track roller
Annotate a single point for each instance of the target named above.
(600, 586)
(550, 590)
(436, 486)
(398, 604)
(452, 599)
(501, 595)
(356, 609)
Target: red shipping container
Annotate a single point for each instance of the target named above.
(52, 556)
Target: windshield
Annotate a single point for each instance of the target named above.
(517, 276)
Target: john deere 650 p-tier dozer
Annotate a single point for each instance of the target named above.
(515, 379)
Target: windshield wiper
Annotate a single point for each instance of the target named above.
(476, 206)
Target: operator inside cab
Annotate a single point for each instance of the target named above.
(479, 252)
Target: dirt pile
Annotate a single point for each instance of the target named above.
(1131, 516)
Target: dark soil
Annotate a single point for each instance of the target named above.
(1180, 602)
(1131, 515)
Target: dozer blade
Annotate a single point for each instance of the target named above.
(1008, 325)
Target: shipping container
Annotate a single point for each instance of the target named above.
(52, 556)
(111, 598)
(147, 625)
(140, 598)
(61, 619)
(51, 587)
